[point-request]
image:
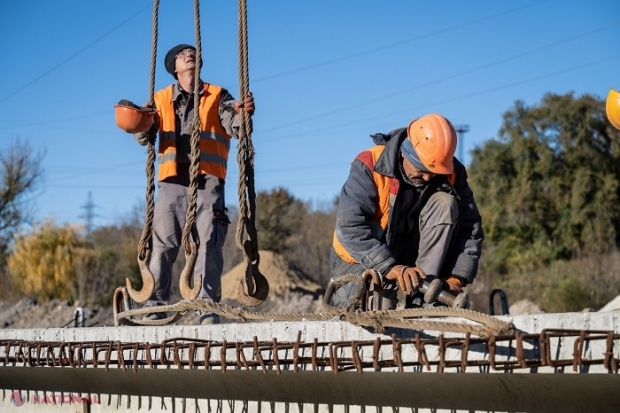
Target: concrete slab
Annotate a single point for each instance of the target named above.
(166, 387)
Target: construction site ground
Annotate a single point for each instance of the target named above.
(290, 292)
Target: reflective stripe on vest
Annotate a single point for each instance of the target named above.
(214, 141)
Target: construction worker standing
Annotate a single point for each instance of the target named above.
(219, 121)
(407, 211)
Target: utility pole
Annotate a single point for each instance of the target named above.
(89, 214)
(461, 129)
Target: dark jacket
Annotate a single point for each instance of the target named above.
(356, 226)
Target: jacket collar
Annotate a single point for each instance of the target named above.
(177, 91)
(388, 161)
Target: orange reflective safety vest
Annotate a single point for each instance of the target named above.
(387, 189)
(214, 141)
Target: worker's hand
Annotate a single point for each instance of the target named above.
(248, 104)
(453, 285)
(150, 136)
(408, 278)
(148, 108)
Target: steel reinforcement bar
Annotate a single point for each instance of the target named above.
(498, 353)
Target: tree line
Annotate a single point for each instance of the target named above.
(547, 187)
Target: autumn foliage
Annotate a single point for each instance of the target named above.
(45, 262)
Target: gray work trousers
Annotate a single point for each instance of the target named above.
(437, 220)
(168, 224)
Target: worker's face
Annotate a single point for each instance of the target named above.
(414, 174)
(186, 59)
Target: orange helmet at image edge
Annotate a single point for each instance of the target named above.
(612, 107)
(434, 139)
(132, 118)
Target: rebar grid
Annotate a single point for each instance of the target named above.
(498, 353)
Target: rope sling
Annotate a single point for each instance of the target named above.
(255, 288)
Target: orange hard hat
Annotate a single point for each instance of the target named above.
(434, 139)
(132, 118)
(612, 108)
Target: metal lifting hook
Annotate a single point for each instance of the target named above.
(187, 292)
(255, 288)
(148, 281)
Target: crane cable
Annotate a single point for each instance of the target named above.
(146, 243)
(254, 287)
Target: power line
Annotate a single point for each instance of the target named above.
(378, 49)
(357, 121)
(357, 105)
(449, 77)
(436, 81)
(80, 51)
(451, 99)
(366, 52)
(342, 125)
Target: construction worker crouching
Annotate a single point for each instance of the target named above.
(219, 121)
(407, 211)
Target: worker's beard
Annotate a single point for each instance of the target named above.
(418, 183)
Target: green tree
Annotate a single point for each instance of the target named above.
(290, 227)
(308, 249)
(548, 187)
(278, 216)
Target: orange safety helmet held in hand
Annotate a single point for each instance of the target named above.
(132, 118)
(434, 140)
(612, 108)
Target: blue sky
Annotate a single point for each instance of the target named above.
(325, 75)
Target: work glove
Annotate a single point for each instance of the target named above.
(454, 285)
(408, 278)
(149, 136)
(248, 105)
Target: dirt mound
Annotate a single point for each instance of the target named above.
(523, 307)
(613, 305)
(282, 279)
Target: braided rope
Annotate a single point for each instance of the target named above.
(146, 237)
(190, 237)
(243, 154)
(192, 190)
(246, 227)
(145, 242)
(379, 320)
